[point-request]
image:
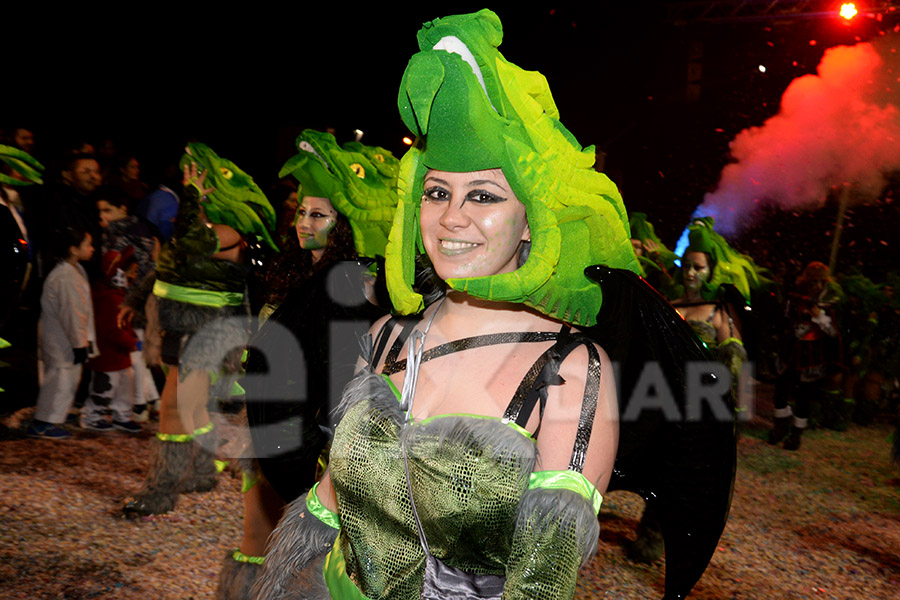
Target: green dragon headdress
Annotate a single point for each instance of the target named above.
(23, 163)
(728, 266)
(236, 201)
(359, 180)
(473, 110)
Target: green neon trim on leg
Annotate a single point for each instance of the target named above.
(248, 480)
(175, 437)
(180, 293)
(205, 429)
(240, 557)
(567, 480)
(318, 510)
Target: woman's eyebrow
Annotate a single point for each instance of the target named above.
(436, 180)
(479, 182)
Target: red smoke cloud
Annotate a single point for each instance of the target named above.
(839, 126)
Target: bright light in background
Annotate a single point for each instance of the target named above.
(358, 133)
(848, 11)
(407, 141)
(762, 68)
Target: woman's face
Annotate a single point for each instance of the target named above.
(110, 213)
(695, 270)
(472, 223)
(316, 218)
(131, 171)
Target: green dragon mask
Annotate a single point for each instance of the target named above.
(23, 163)
(473, 110)
(236, 201)
(359, 180)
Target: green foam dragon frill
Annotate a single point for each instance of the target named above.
(23, 163)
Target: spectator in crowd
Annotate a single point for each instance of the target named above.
(112, 378)
(122, 231)
(67, 333)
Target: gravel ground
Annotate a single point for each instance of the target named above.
(823, 522)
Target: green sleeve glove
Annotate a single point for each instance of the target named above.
(556, 532)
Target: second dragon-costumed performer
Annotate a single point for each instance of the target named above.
(199, 297)
(305, 351)
(484, 475)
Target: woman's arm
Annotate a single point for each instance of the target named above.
(556, 527)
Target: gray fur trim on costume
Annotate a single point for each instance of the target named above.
(296, 551)
(370, 387)
(216, 333)
(499, 442)
(236, 579)
(561, 509)
(170, 463)
(202, 477)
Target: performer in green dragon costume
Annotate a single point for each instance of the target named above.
(347, 200)
(448, 488)
(199, 295)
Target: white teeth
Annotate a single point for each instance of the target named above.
(450, 245)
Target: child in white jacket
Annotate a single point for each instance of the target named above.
(67, 335)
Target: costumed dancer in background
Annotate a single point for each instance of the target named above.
(347, 201)
(16, 259)
(711, 272)
(199, 296)
(484, 462)
(810, 353)
(710, 268)
(657, 261)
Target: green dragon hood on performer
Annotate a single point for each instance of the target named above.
(728, 266)
(236, 200)
(23, 163)
(473, 110)
(359, 180)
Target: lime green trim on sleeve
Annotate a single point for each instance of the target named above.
(567, 480)
(318, 510)
(732, 340)
(221, 465)
(205, 429)
(175, 437)
(334, 571)
(240, 557)
(188, 295)
(248, 480)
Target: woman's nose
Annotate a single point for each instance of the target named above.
(455, 215)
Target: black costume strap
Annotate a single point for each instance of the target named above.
(588, 408)
(408, 325)
(533, 386)
(478, 341)
(545, 372)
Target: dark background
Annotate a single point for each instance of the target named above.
(247, 80)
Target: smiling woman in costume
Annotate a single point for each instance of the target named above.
(483, 413)
(472, 448)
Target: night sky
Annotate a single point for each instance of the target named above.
(248, 82)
